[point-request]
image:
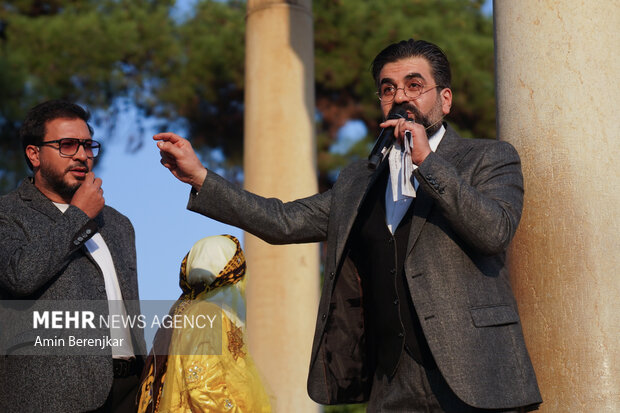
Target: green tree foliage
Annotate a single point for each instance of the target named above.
(97, 51)
(86, 51)
(204, 82)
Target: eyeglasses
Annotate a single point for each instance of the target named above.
(412, 90)
(70, 146)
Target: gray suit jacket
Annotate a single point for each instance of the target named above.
(42, 257)
(467, 210)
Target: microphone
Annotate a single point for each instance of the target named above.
(384, 141)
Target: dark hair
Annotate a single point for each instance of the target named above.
(32, 130)
(440, 67)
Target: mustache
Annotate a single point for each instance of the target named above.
(78, 165)
(408, 107)
(435, 113)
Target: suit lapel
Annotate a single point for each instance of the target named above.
(360, 186)
(421, 209)
(448, 149)
(37, 201)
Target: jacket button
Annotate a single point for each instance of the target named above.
(332, 275)
(393, 271)
(323, 317)
(396, 302)
(401, 335)
(76, 242)
(88, 231)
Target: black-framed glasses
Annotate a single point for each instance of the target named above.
(413, 90)
(69, 146)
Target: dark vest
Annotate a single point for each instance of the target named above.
(380, 257)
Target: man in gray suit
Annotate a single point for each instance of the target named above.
(417, 313)
(59, 241)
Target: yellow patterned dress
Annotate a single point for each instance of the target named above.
(198, 375)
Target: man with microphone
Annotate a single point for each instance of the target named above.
(417, 313)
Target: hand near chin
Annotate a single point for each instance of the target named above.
(89, 196)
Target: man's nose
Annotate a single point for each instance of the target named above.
(400, 96)
(81, 153)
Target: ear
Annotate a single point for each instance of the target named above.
(32, 153)
(446, 100)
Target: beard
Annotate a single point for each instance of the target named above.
(56, 181)
(431, 121)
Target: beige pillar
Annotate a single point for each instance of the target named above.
(280, 161)
(558, 99)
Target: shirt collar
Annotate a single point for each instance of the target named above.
(435, 140)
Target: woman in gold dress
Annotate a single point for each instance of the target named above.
(186, 371)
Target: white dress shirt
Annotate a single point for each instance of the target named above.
(402, 186)
(99, 251)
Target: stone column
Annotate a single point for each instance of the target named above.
(558, 98)
(280, 161)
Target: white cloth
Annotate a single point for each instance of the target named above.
(205, 260)
(99, 251)
(401, 188)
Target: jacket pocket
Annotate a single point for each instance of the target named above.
(496, 315)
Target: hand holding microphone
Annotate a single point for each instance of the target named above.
(406, 128)
(385, 139)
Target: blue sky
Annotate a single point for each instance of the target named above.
(138, 186)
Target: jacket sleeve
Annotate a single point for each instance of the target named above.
(274, 221)
(30, 257)
(484, 210)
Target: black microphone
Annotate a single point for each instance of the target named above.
(384, 141)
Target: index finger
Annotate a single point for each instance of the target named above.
(396, 123)
(389, 123)
(168, 137)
